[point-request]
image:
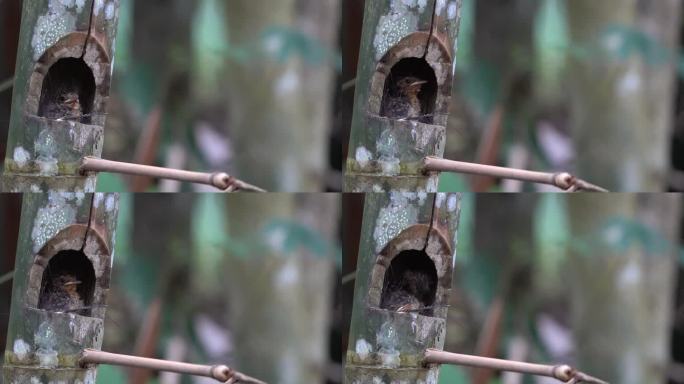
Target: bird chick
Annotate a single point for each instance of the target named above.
(401, 101)
(410, 292)
(62, 295)
(67, 106)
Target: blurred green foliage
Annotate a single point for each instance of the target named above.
(293, 237)
(280, 44)
(551, 230)
(466, 33)
(107, 182)
(550, 36)
(449, 374)
(208, 229)
(208, 37)
(108, 374)
(619, 234)
(124, 36)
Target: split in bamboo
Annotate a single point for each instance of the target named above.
(220, 180)
(220, 373)
(562, 180)
(564, 373)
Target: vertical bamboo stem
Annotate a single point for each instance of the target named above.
(60, 234)
(386, 152)
(384, 344)
(63, 46)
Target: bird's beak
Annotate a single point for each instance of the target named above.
(72, 283)
(417, 83)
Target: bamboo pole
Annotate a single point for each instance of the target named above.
(562, 180)
(221, 373)
(388, 344)
(564, 373)
(279, 300)
(64, 48)
(61, 234)
(279, 99)
(219, 180)
(621, 105)
(623, 274)
(401, 39)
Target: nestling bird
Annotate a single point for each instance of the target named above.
(409, 292)
(67, 106)
(62, 295)
(401, 101)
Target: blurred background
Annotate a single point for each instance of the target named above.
(251, 281)
(594, 88)
(595, 281)
(247, 87)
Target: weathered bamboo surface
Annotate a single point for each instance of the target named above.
(76, 39)
(624, 101)
(385, 152)
(389, 345)
(60, 233)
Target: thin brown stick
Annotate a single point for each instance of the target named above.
(220, 373)
(564, 373)
(219, 180)
(147, 148)
(562, 180)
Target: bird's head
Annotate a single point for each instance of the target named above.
(70, 99)
(68, 283)
(410, 85)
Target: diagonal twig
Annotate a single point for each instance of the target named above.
(562, 180)
(6, 84)
(564, 373)
(220, 180)
(6, 277)
(220, 373)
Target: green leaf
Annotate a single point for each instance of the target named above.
(551, 40)
(209, 37)
(208, 231)
(289, 237)
(627, 41)
(551, 230)
(283, 42)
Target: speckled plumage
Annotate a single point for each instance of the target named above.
(401, 101)
(67, 106)
(408, 293)
(61, 295)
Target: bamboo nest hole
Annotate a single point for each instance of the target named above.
(68, 266)
(68, 76)
(410, 283)
(420, 70)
